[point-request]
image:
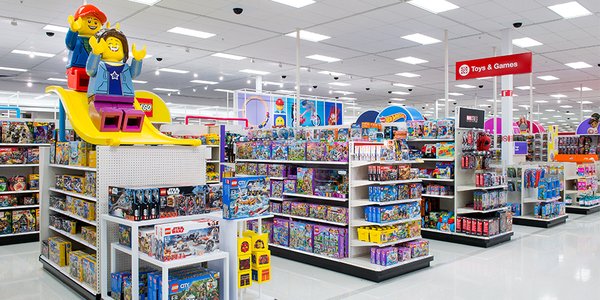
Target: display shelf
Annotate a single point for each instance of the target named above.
(357, 243)
(309, 219)
(573, 191)
(76, 195)
(271, 246)
(438, 196)
(22, 145)
(358, 163)
(19, 192)
(464, 188)
(177, 263)
(276, 199)
(217, 215)
(277, 178)
(438, 179)
(211, 146)
(72, 215)
(18, 238)
(78, 168)
(358, 223)
(365, 262)
(530, 220)
(63, 273)
(466, 239)
(213, 182)
(75, 237)
(430, 140)
(366, 202)
(450, 159)
(18, 234)
(19, 207)
(535, 200)
(299, 162)
(359, 183)
(315, 197)
(213, 161)
(20, 166)
(468, 210)
(582, 210)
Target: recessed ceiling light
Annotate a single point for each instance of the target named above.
(295, 3)
(397, 99)
(309, 36)
(412, 60)
(569, 114)
(173, 70)
(525, 87)
(279, 84)
(228, 56)
(541, 101)
(551, 122)
(13, 69)
(566, 106)
(140, 81)
(400, 93)
(583, 89)
(558, 96)
(550, 110)
(191, 32)
(570, 10)
(32, 53)
(407, 74)
(587, 110)
(536, 113)
(255, 72)
(332, 73)
(483, 105)
(56, 28)
(348, 99)
(223, 90)
(57, 79)
(165, 90)
(323, 58)
(421, 39)
(147, 2)
(515, 109)
(465, 86)
(403, 85)
(524, 106)
(586, 102)
(548, 77)
(203, 81)
(434, 6)
(492, 100)
(578, 65)
(344, 93)
(339, 83)
(456, 94)
(526, 42)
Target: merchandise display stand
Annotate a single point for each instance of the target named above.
(9, 170)
(573, 193)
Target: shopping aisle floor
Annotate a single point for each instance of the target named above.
(541, 264)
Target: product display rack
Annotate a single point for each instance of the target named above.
(572, 192)
(9, 170)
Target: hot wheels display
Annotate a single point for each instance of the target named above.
(245, 197)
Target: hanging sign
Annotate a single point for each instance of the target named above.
(520, 148)
(507, 93)
(494, 66)
(470, 118)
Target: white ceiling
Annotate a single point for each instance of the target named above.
(366, 35)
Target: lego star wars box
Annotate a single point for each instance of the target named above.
(183, 239)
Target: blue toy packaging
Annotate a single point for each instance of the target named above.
(245, 197)
(281, 232)
(279, 151)
(297, 150)
(301, 236)
(337, 151)
(277, 188)
(183, 239)
(315, 151)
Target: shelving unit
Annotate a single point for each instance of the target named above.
(571, 178)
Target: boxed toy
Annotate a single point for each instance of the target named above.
(90, 184)
(279, 151)
(315, 151)
(146, 240)
(42, 132)
(305, 181)
(415, 129)
(88, 270)
(297, 150)
(276, 188)
(337, 214)
(8, 200)
(33, 180)
(445, 129)
(12, 156)
(418, 248)
(245, 197)
(317, 211)
(58, 250)
(277, 170)
(125, 235)
(78, 153)
(261, 274)
(329, 241)
(24, 220)
(16, 132)
(330, 183)
(445, 150)
(75, 264)
(183, 239)
(122, 203)
(289, 186)
(262, 150)
(33, 156)
(299, 209)
(5, 222)
(63, 153)
(281, 232)
(337, 151)
(301, 236)
(88, 234)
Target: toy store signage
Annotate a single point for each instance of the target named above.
(147, 105)
(494, 66)
(520, 148)
(470, 118)
(397, 117)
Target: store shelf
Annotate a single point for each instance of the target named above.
(299, 162)
(213, 161)
(464, 188)
(217, 215)
(77, 195)
(309, 219)
(450, 159)
(438, 179)
(19, 192)
(366, 202)
(75, 237)
(530, 220)
(190, 260)
(22, 145)
(79, 168)
(438, 196)
(277, 178)
(466, 239)
(358, 223)
(306, 253)
(365, 262)
(359, 183)
(357, 243)
(19, 207)
(582, 210)
(213, 182)
(535, 200)
(64, 271)
(469, 210)
(358, 163)
(430, 140)
(72, 215)
(211, 146)
(18, 234)
(316, 197)
(20, 166)
(276, 199)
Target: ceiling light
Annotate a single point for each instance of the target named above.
(255, 72)
(421, 39)
(587, 110)
(65, 59)
(309, 36)
(407, 74)
(586, 102)
(526, 42)
(173, 70)
(157, 72)
(295, 3)
(492, 100)
(29, 84)
(248, 81)
(339, 83)
(570, 114)
(550, 110)
(323, 58)
(570, 10)
(223, 90)
(165, 90)
(524, 106)
(583, 89)
(228, 56)
(139, 81)
(348, 99)
(566, 106)
(548, 77)
(344, 93)
(483, 105)
(332, 73)
(465, 86)
(205, 88)
(400, 93)
(412, 60)
(403, 85)
(541, 101)
(434, 6)
(279, 84)
(195, 75)
(515, 109)
(397, 99)
(56, 28)
(57, 79)
(543, 118)
(354, 107)
(578, 65)
(13, 69)
(536, 113)
(147, 2)
(551, 122)
(285, 91)
(456, 94)
(191, 32)
(32, 53)
(558, 96)
(203, 81)
(525, 87)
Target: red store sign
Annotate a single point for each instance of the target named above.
(494, 66)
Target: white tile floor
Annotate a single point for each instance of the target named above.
(538, 264)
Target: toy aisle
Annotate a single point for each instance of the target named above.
(170, 164)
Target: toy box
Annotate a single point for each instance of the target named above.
(279, 151)
(88, 234)
(415, 129)
(42, 132)
(277, 170)
(261, 169)
(262, 150)
(16, 132)
(5, 222)
(125, 235)
(183, 239)
(75, 264)
(24, 220)
(17, 183)
(281, 232)
(58, 250)
(8, 200)
(213, 198)
(89, 188)
(315, 151)
(445, 129)
(63, 153)
(33, 156)
(297, 150)
(244, 279)
(245, 197)
(289, 186)
(12, 155)
(418, 248)
(69, 226)
(337, 151)
(261, 275)
(330, 183)
(122, 203)
(301, 236)
(337, 214)
(244, 245)
(261, 259)
(276, 188)
(305, 181)
(317, 211)
(329, 241)
(445, 150)
(299, 209)
(33, 181)
(88, 270)
(78, 153)
(244, 262)
(146, 240)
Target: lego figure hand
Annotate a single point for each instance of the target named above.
(98, 47)
(138, 55)
(75, 25)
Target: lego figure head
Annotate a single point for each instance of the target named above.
(88, 20)
(113, 45)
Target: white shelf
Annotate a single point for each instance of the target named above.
(438, 196)
(309, 219)
(72, 215)
(276, 199)
(19, 207)
(20, 233)
(300, 162)
(357, 243)
(277, 178)
(316, 197)
(309, 253)
(359, 163)
(213, 182)
(464, 188)
(216, 215)
(213, 161)
(20, 166)
(430, 140)
(211, 146)
(535, 200)
(450, 159)
(360, 183)
(65, 271)
(435, 230)
(483, 237)
(468, 210)
(358, 223)
(22, 145)
(75, 237)
(366, 202)
(365, 263)
(77, 195)
(190, 260)
(79, 168)
(19, 192)
(531, 217)
(438, 179)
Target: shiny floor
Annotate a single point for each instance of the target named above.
(538, 264)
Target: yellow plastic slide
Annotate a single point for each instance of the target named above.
(76, 107)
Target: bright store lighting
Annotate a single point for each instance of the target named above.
(570, 10)
(223, 90)
(403, 85)
(421, 39)
(339, 83)
(56, 28)
(165, 90)
(65, 59)
(578, 65)
(397, 99)
(191, 32)
(587, 110)
(140, 81)
(332, 73)
(295, 3)
(586, 102)
(456, 94)
(13, 69)
(407, 74)
(255, 72)
(354, 107)
(434, 6)
(147, 2)
(551, 122)
(465, 86)
(583, 89)
(566, 106)
(345, 93)
(248, 81)
(309, 36)
(526, 42)
(550, 110)
(173, 71)
(570, 114)
(279, 84)
(32, 54)
(285, 91)
(228, 56)
(203, 81)
(400, 93)
(548, 77)
(536, 113)
(524, 106)
(57, 79)
(524, 87)
(412, 60)
(558, 96)
(324, 58)
(540, 101)
(515, 109)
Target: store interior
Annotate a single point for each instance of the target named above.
(296, 149)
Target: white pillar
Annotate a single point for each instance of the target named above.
(580, 103)
(259, 84)
(297, 111)
(508, 149)
(446, 72)
(531, 103)
(495, 98)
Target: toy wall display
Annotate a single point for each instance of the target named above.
(486, 225)
(537, 146)
(389, 256)
(254, 259)
(430, 129)
(389, 233)
(19, 155)
(73, 153)
(205, 139)
(19, 221)
(311, 210)
(85, 185)
(27, 132)
(18, 183)
(245, 197)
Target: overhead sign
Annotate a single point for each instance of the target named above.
(494, 66)
(470, 118)
(520, 148)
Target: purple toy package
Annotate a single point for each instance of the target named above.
(315, 151)
(301, 236)
(281, 232)
(337, 151)
(305, 181)
(329, 241)
(276, 188)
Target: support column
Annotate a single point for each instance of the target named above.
(446, 72)
(495, 103)
(259, 84)
(508, 149)
(297, 110)
(531, 103)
